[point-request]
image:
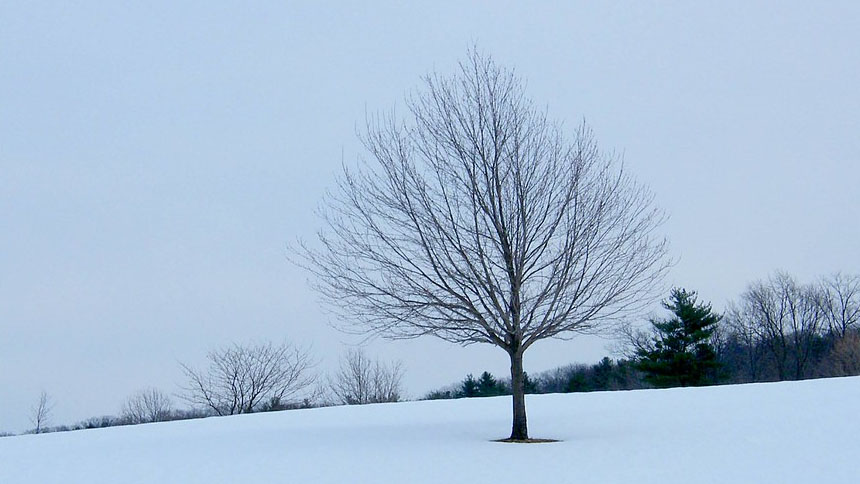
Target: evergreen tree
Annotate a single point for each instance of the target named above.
(469, 387)
(577, 382)
(529, 385)
(603, 374)
(488, 386)
(680, 353)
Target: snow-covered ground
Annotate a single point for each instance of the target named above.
(804, 432)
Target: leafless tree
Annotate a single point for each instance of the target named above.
(242, 378)
(361, 380)
(150, 405)
(741, 322)
(841, 302)
(786, 316)
(476, 220)
(40, 414)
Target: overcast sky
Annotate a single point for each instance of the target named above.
(155, 160)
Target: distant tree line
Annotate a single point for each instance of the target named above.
(247, 378)
(486, 385)
(607, 374)
(779, 329)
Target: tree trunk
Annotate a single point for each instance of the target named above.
(519, 429)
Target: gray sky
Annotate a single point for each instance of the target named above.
(155, 160)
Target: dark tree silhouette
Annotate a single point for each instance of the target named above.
(679, 352)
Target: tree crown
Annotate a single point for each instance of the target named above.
(475, 219)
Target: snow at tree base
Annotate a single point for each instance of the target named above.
(790, 432)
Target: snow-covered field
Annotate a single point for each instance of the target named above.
(805, 432)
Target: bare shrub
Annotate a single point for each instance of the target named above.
(361, 380)
(150, 405)
(244, 378)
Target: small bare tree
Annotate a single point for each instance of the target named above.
(361, 380)
(841, 302)
(479, 221)
(145, 406)
(40, 414)
(242, 378)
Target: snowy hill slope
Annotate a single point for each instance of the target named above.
(781, 432)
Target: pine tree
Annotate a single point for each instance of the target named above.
(529, 385)
(488, 386)
(577, 382)
(469, 387)
(680, 353)
(603, 374)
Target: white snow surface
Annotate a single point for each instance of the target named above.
(787, 432)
